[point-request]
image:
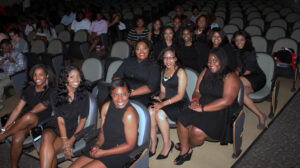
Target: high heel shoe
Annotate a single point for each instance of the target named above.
(160, 156)
(182, 158)
(262, 126)
(153, 153)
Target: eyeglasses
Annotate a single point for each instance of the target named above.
(169, 58)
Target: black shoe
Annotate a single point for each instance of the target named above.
(153, 153)
(160, 156)
(182, 158)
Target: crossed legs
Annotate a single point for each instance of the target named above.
(85, 162)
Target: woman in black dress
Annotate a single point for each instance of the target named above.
(155, 36)
(201, 29)
(141, 73)
(172, 100)
(211, 109)
(118, 132)
(42, 81)
(217, 38)
(70, 100)
(192, 54)
(252, 77)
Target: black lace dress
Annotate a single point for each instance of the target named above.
(217, 125)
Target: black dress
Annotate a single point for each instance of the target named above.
(32, 98)
(247, 61)
(156, 41)
(217, 124)
(232, 60)
(114, 135)
(171, 86)
(69, 112)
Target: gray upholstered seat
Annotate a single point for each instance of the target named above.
(92, 69)
(120, 49)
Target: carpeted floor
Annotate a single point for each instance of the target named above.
(279, 145)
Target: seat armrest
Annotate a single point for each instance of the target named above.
(90, 130)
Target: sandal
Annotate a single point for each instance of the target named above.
(182, 158)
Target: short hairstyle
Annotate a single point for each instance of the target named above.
(118, 83)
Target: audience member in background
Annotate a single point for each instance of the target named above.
(3, 36)
(171, 101)
(201, 29)
(45, 31)
(21, 121)
(177, 27)
(80, 23)
(168, 38)
(68, 18)
(192, 54)
(10, 62)
(156, 36)
(140, 73)
(30, 26)
(70, 101)
(118, 133)
(212, 20)
(98, 27)
(179, 13)
(138, 32)
(196, 14)
(252, 77)
(116, 27)
(17, 41)
(87, 13)
(211, 109)
(217, 38)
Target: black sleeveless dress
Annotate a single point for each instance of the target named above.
(171, 86)
(114, 135)
(217, 125)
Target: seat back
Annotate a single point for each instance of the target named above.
(165, 20)
(192, 77)
(19, 80)
(275, 33)
(272, 16)
(120, 49)
(279, 22)
(237, 21)
(38, 46)
(296, 35)
(59, 28)
(253, 30)
(285, 42)
(113, 67)
(258, 22)
(92, 69)
(65, 36)
(259, 43)
(230, 29)
(57, 63)
(81, 36)
(55, 47)
(296, 25)
(292, 17)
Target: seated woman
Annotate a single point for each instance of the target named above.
(210, 112)
(118, 133)
(171, 101)
(155, 36)
(70, 101)
(140, 73)
(45, 31)
(138, 32)
(201, 29)
(42, 82)
(252, 77)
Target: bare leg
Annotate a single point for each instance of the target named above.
(248, 102)
(94, 43)
(28, 121)
(153, 130)
(81, 161)
(16, 147)
(163, 125)
(95, 164)
(51, 145)
(196, 136)
(183, 135)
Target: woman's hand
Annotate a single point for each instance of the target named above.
(194, 105)
(157, 106)
(97, 153)
(156, 98)
(68, 145)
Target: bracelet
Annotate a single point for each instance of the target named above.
(195, 99)
(64, 137)
(3, 129)
(169, 100)
(202, 108)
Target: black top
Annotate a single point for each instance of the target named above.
(32, 98)
(113, 128)
(69, 112)
(194, 56)
(138, 74)
(247, 61)
(157, 44)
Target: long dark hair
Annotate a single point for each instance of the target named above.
(62, 91)
(224, 62)
(51, 78)
(160, 30)
(49, 26)
(182, 42)
(149, 44)
(222, 35)
(248, 45)
(164, 44)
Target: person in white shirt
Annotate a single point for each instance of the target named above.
(80, 23)
(68, 18)
(30, 26)
(98, 27)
